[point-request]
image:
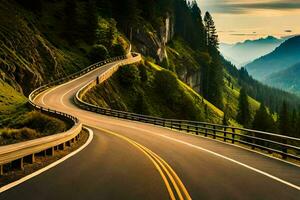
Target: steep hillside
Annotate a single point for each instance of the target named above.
(12, 103)
(243, 53)
(35, 48)
(286, 55)
(151, 90)
(287, 79)
(270, 96)
(28, 58)
(184, 75)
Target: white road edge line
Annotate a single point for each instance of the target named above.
(36, 173)
(208, 151)
(215, 140)
(234, 161)
(218, 155)
(66, 83)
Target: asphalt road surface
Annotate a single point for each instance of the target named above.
(137, 161)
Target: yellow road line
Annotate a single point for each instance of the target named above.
(172, 196)
(165, 169)
(181, 185)
(160, 165)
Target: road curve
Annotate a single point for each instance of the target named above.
(133, 160)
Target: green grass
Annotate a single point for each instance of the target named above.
(161, 95)
(12, 103)
(24, 126)
(19, 123)
(231, 101)
(214, 111)
(181, 57)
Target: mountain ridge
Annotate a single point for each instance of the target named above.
(287, 79)
(284, 56)
(245, 52)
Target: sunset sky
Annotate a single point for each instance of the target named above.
(238, 20)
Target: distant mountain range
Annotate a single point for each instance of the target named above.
(284, 56)
(280, 68)
(245, 52)
(288, 79)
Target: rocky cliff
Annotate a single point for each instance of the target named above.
(27, 58)
(153, 41)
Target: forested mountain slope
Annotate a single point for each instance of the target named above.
(245, 52)
(286, 55)
(288, 79)
(44, 40)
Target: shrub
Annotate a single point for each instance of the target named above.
(174, 96)
(143, 73)
(128, 75)
(166, 84)
(41, 123)
(17, 135)
(98, 53)
(118, 50)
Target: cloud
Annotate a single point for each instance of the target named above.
(244, 34)
(245, 6)
(288, 31)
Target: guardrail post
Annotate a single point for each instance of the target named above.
(180, 126)
(50, 151)
(18, 164)
(187, 128)
(29, 159)
(68, 143)
(214, 131)
(1, 170)
(284, 150)
(225, 134)
(205, 130)
(197, 130)
(233, 134)
(61, 146)
(164, 123)
(254, 141)
(171, 124)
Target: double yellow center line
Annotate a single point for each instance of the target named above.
(174, 185)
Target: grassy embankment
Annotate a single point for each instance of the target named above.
(151, 90)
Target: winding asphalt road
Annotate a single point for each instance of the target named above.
(137, 161)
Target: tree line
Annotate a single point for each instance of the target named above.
(285, 122)
(79, 22)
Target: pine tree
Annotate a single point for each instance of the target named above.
(225, 116)
(200, 33)
(127, 14)
(294, 119)
(90, 23)
(104, 8)
(212, 39)
(298, 125)
(284, 119)
(243, 116)
(263, 121)
(215, 83)
(33, 5)
(70, 23)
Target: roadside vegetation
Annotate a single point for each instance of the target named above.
(184, 75)
(30, 125)
(151, 90)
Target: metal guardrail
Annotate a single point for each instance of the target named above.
(20, 152)
(287, 147)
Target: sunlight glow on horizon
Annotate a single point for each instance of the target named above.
(239, 20)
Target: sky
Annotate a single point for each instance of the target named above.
(239, 20)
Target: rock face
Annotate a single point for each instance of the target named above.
(27, 59)
(153, 42)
